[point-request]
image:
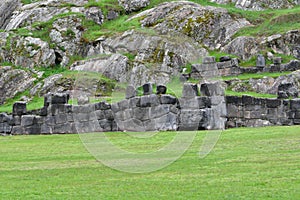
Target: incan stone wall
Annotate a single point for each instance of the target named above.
(248, 111)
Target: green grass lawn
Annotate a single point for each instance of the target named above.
(247, 163)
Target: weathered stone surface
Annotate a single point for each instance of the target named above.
(168, 99)
(13, 81)
(83, 99)
(190, 90)
(113, 66)
(243, 46)
(161, 89)
(19, 108)
(259, 4)
(133, 5)
(287, 90)
(7, 7)
(27, 51)
(95, 14)
(147, 89)
(211, 26)
(130, 92)
(260, 61)
(58, 98)
(212, 89)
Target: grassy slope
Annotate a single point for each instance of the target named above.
(247, 163)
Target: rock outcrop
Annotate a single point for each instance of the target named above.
(13, 81)
(245, 47)
(25, 51)
(154, 58)
(7, 8)
(133, 5)
(260, 4)
(211, 26)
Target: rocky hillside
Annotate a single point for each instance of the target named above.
(44, 43)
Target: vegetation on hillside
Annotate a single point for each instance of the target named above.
(264, 23)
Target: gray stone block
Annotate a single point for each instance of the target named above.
(102, 106)
(209, 59)
(190, 90)
(260, 61)
(100, 114)
(45, 129)
(149, 100)
(28, 120)
(130, 92)
(161, 89)
(124, 115)
(158, 111)
(166, 123)
(83, 99)
(106, 125)
(147, 89)
(81, 117)
(50, 120)
(212, 89)
(123, 105)
(277, 60)
(135, 102)
(109, 114)
(19, 108)
(59, 98)
(18, 130)
(273, 103)
(295, 104)
(61, 119)
(141, 114)
(168, 99)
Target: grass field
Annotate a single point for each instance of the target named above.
(246, 163)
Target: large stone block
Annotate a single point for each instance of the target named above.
(234, 100)
(102, 106)
(212, 89)
(135, 102)
(147, 89)
(209, 59)
(149, 100)
(295, 104)
(190, 90)
(106, 125)
(130, 92)
(158, 111)
(273, 103)
(56, 98)
(61, 118)
(28, 120)
(166, 123)
(260, 61)
(124, 115)
(18, 130)
(141, 114)
(19, 108)
(161, 89)
(168, 99)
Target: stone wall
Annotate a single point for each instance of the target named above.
(249, 111)
(149, 112)
(230, 67)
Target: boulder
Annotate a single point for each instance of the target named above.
(133, 5)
